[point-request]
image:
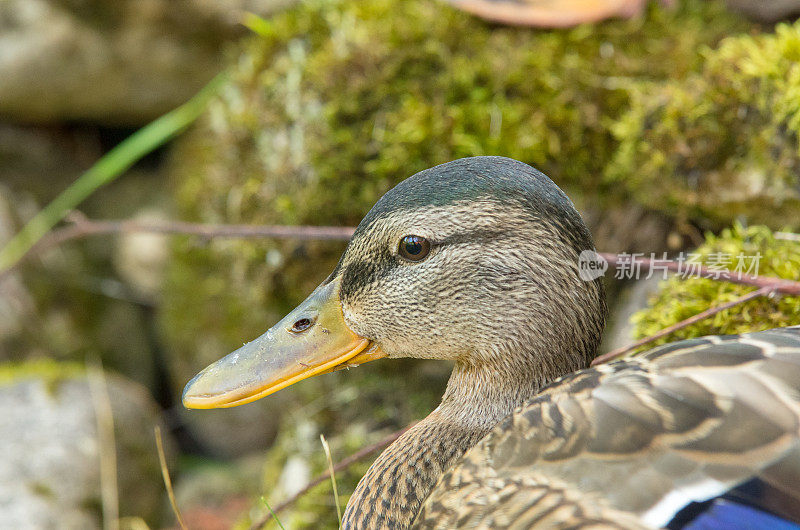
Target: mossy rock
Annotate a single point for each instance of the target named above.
(334, 102)
(678, 298)
(723, 143)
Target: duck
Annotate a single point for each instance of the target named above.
(475, 262)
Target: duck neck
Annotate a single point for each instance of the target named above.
(477, 397)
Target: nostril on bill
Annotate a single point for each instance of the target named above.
(302, 324)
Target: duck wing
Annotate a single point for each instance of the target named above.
(649, 441)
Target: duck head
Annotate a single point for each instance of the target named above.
(474, 261)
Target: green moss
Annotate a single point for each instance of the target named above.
(678, 299)
(336, 101)
(51, 373)
(724, 142)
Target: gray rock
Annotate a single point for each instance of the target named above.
(50, 470)
(122, 62)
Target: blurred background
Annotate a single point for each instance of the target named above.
(673, 126)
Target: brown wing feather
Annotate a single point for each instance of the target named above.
(631, 442)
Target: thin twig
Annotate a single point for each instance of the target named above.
(88, 227)
(104, 415)
(613, 354)
(341, 465)
(162, 459)
(82, 227)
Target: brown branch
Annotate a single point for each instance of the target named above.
(86, 227)
(613, 354)
(342, 464)
(81, 227)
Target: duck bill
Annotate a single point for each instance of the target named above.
(313, 339)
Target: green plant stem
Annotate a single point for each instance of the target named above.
(108, 168)
(275, 517)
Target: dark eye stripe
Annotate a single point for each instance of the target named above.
(474, 236)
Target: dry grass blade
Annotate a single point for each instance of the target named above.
(109, 492)
(162, 459)
(333, 477)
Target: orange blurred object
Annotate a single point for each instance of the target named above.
(550, 13)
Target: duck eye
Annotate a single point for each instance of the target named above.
(414, 248)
